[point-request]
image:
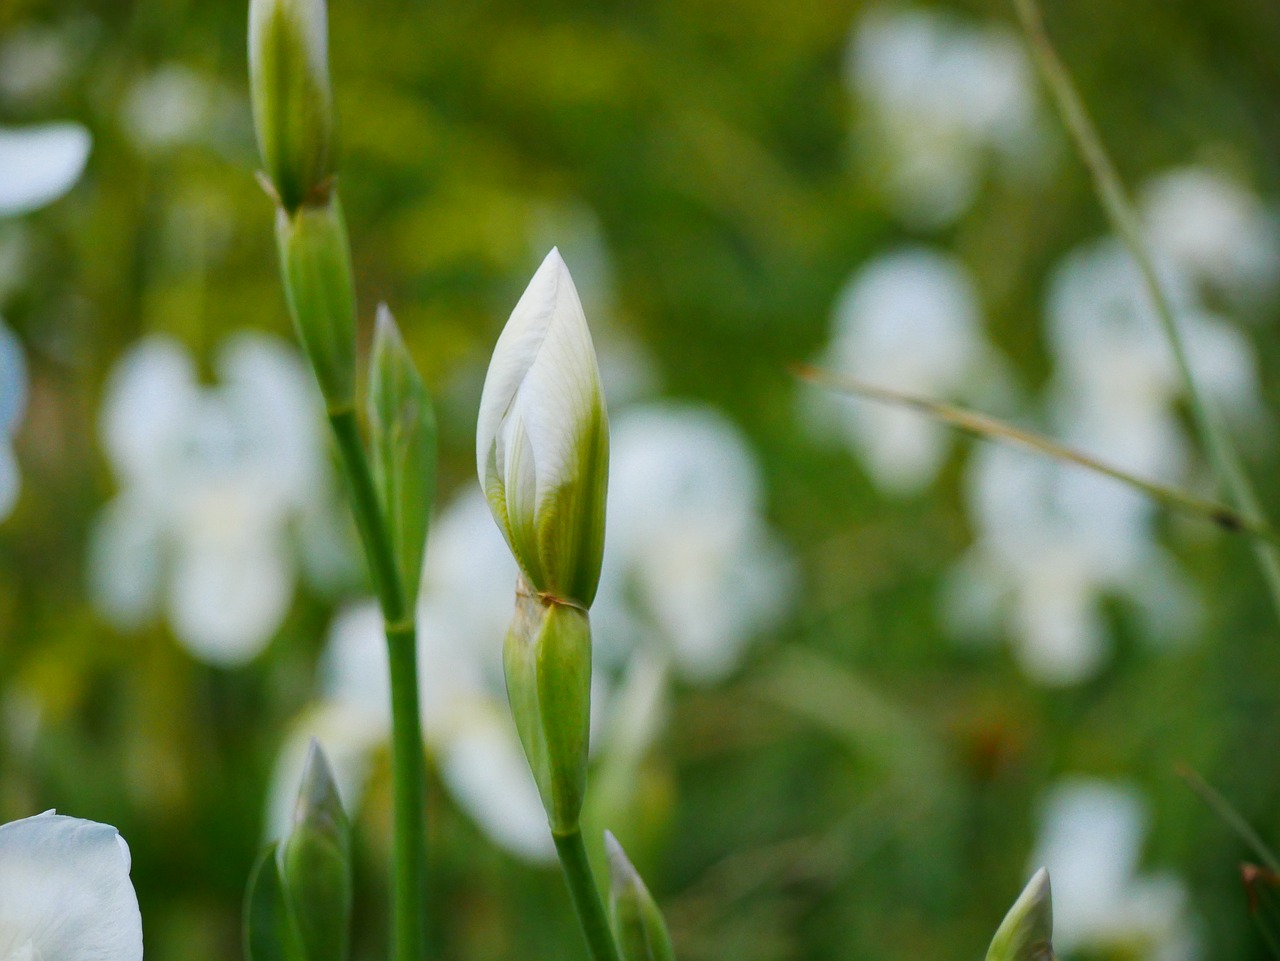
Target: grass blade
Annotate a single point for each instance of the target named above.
(989, 428)
(1230, 816)
(1124, 220)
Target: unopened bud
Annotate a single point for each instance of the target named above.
(638, 926)
(292, 101)
(315, 261)
(1026, 934)
(316, 864)
(542, 441)
(403, 434)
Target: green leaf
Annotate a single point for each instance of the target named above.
(403, 428)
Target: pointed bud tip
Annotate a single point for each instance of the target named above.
(620, 867)
(386, 332)
(319, 789)
(1026, 933)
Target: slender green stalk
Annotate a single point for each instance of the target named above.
(1124, 220)
(408, 764)
(1230, 816)
(369, 521)
(997, 431)
(585, 895)
(409, 772)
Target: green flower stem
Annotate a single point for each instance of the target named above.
(585, 895)
(408, 764)
(1119, 208)
(408, 768)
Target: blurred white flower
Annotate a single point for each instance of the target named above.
(13, 399)
(214, 480)
(939, 100)
(36, 60)
(1215, 230)
(691, 573)
(65, 892)
(690, 567)
(1054, 541)
(1114, 364)
(1091, 834)
(908, 320)
(39, 164)
(174, 105)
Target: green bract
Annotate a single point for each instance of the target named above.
(547, 662)
(292, 102)
(542, 441)
(315, 262)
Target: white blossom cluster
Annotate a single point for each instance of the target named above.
(1052, 541)
(219, 485)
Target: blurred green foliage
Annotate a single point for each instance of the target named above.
(862, 788)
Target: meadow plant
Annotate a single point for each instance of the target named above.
(543, 449)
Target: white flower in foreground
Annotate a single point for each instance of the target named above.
(1091, 835)
(542, 441)
(39, 164)
(65, 893)
(939, 100)
(908, 321)
(216, 482)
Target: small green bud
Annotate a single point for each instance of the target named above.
(270, 932)
(542, 438)
(1026, 934)
(315, 261)
(638, 926)
(547, 662)
(403, 433)
(316, 864)
(292, 102)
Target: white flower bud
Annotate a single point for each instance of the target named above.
(1026, 934)
(292, 102)
(542, 442)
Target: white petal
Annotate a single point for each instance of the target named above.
(126, 561)
(486, 771)
(149, 398)
(354, 666)
(39, 164)
(13, 381)
(540, 388)
(65, 893)
(226, 604)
